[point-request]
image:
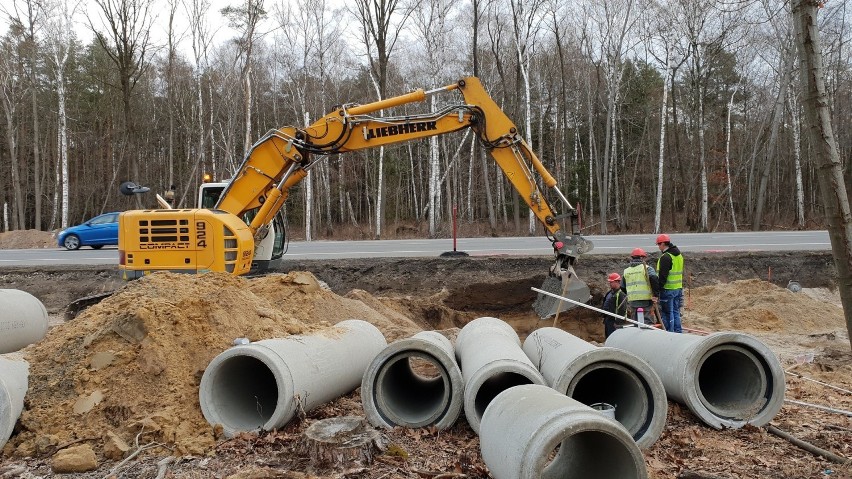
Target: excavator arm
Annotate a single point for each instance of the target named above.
(282, 158)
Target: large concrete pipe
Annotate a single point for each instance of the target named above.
(489, 352)
(414, 382)
(23, 320)
(726, 379)
(14, 377)
(262, 385)
(602, 375)
(524, 425)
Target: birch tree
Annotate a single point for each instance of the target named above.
(381, 22)
(526, 20)
(60, 36)
(200, 38)
(245, 19)
(613, 22)
(432, 25)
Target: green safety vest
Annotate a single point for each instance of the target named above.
(675, 278)
(638, 286)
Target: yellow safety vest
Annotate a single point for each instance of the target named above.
(675, 278)
(638, 286)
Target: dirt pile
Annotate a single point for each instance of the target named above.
(25, 239)
(132, 364)
(759, 306)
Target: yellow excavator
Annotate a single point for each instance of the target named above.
(222, 238)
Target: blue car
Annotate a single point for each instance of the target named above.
(97, 232)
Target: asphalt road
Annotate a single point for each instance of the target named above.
(517, 246)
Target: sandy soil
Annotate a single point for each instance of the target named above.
(133, 362)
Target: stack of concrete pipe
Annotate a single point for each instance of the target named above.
(609, 376)
(524, 425)
(395, 393)
(263, 385)
(23, 321)
(726, 379)
(492, 361)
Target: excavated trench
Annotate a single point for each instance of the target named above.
(442, 293)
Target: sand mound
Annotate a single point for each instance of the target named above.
(133, 362)
(759, 306)
(25, 239)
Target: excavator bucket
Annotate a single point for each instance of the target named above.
(567, 285)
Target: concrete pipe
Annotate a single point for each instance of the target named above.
(524, 425)
(414, 382)
(726, 379)
(23, 321)
(262, 385)
(602, 375)
(14, 377)
(489, 352)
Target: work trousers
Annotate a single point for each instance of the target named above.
(671, 301)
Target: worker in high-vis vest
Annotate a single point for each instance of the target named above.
(615, 301)
(670, 270)
(642, 285)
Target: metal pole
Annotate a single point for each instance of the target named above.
(643, 325)
(455, 208)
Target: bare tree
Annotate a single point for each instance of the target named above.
(827, 156)
(126, 42)
(12, 92)
(245, 18)
(526, 20)
(60, 35)
(381, 22)
(27, 15)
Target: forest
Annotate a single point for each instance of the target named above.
(653, 115)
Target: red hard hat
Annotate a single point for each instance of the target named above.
(639, 252)
(663, 238)
(613, 277)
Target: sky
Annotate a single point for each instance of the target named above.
(159, 31)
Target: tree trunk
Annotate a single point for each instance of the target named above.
(661, 162)
(728, 159)
(777, 117)
(797, 155)
(819, 129)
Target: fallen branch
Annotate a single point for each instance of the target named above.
(698, 475)
(817, 451)
(163, 466)
(139, 450)
(71, 443)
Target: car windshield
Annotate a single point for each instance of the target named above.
(103, 219)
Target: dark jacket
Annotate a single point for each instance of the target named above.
(609, 302)
(666, 263)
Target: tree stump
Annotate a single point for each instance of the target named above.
(341, 443)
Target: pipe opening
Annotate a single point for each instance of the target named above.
(493, 386)
(619, 386)
(592, 454)
(732, 382)
(243, 393)
(413, 390)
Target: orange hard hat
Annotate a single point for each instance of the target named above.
(638, 252)
(613, 277)
(663, 238)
